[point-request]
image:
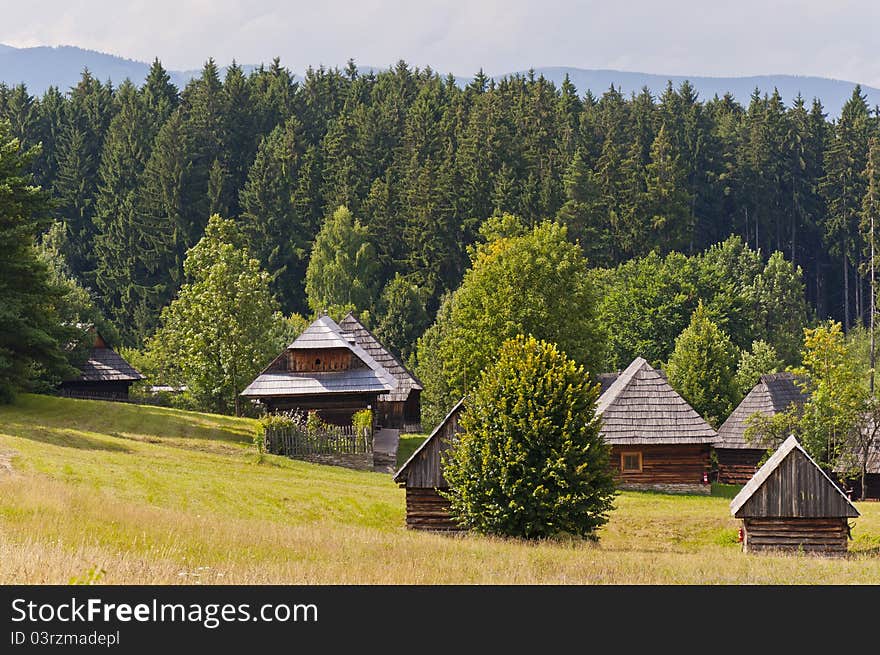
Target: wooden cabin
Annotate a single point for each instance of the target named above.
(850, 466)
(422, 476)
(105, 375)
(738, 458)
(791, 504)
(323, 370)
(400, 408)
(658, 442)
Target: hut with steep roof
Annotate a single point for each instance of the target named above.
(401, 407)
(658, 441)
(738, 458)
(422, 477)
(849, 467)
(791, 504)
(323, 370)
(105, 375)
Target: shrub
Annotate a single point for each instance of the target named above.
(362, 420)
(530, 461)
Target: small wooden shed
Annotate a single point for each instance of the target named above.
(658, 441)
(422, 476)
(105, 375)
(791, 504)
(737, 458)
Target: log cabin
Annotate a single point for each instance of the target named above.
(401, 407)
(791, 504)
(738, 457)
(422, 477)
(658, 442)
(325, 371)
(849, 468)
(105, 375)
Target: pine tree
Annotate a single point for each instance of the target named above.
(667, 198)
(31, 334)
(120, 257)
(276, 233)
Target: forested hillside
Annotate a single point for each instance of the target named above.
(420, 163)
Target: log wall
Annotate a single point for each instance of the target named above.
(737, 465)
(664, 465)
(428, 510)
(816, 535)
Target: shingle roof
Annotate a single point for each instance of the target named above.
(605, 380)
(773, 394)
(641, 408)
(764, 473)
(105, 364)
(406, 381)
(323, 333)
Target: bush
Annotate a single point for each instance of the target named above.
(362, 420)
(530, 461)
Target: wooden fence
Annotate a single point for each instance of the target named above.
(411, 428)
(337, 440)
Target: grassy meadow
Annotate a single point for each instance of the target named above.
(95, 492)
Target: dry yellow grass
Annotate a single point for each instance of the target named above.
(160, 504)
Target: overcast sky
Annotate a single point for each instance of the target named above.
(829, 38)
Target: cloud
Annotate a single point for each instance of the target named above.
(832, 38)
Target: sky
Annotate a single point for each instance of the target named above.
(827, 38)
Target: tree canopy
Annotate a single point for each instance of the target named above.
(530, 461)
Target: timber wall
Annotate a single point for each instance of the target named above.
(815, 535)
(426, 509)
(737, 465)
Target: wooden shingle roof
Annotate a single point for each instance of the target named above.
(791, 485)
(773, 394)
(640, 407)
(406, 381)
(105, 365)
(323, 334)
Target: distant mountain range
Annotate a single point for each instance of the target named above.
(44, 66)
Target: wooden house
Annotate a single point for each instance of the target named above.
(422, 477)
(850, 465)
(105, 375)
(401, 407)
(738, 458)
(323, 370)
(791, 504)
(658, 441)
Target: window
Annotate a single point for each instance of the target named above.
(631, 462)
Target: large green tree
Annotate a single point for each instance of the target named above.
(702, 368)
(217, 334)
(531, 462)
(343, 268)
(31, 334)
(532, 284)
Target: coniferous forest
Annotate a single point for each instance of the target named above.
(420, 164)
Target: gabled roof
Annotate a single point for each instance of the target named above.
(323, 334)
(400, 476)
(791, 484)
(406, 381)
(853, 459)
(773, 394)
(640, 407)
(103, 364)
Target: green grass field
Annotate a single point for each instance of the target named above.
(116, 493)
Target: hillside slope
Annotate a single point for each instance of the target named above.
(104, 492)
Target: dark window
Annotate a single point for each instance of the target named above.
(631, 462)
